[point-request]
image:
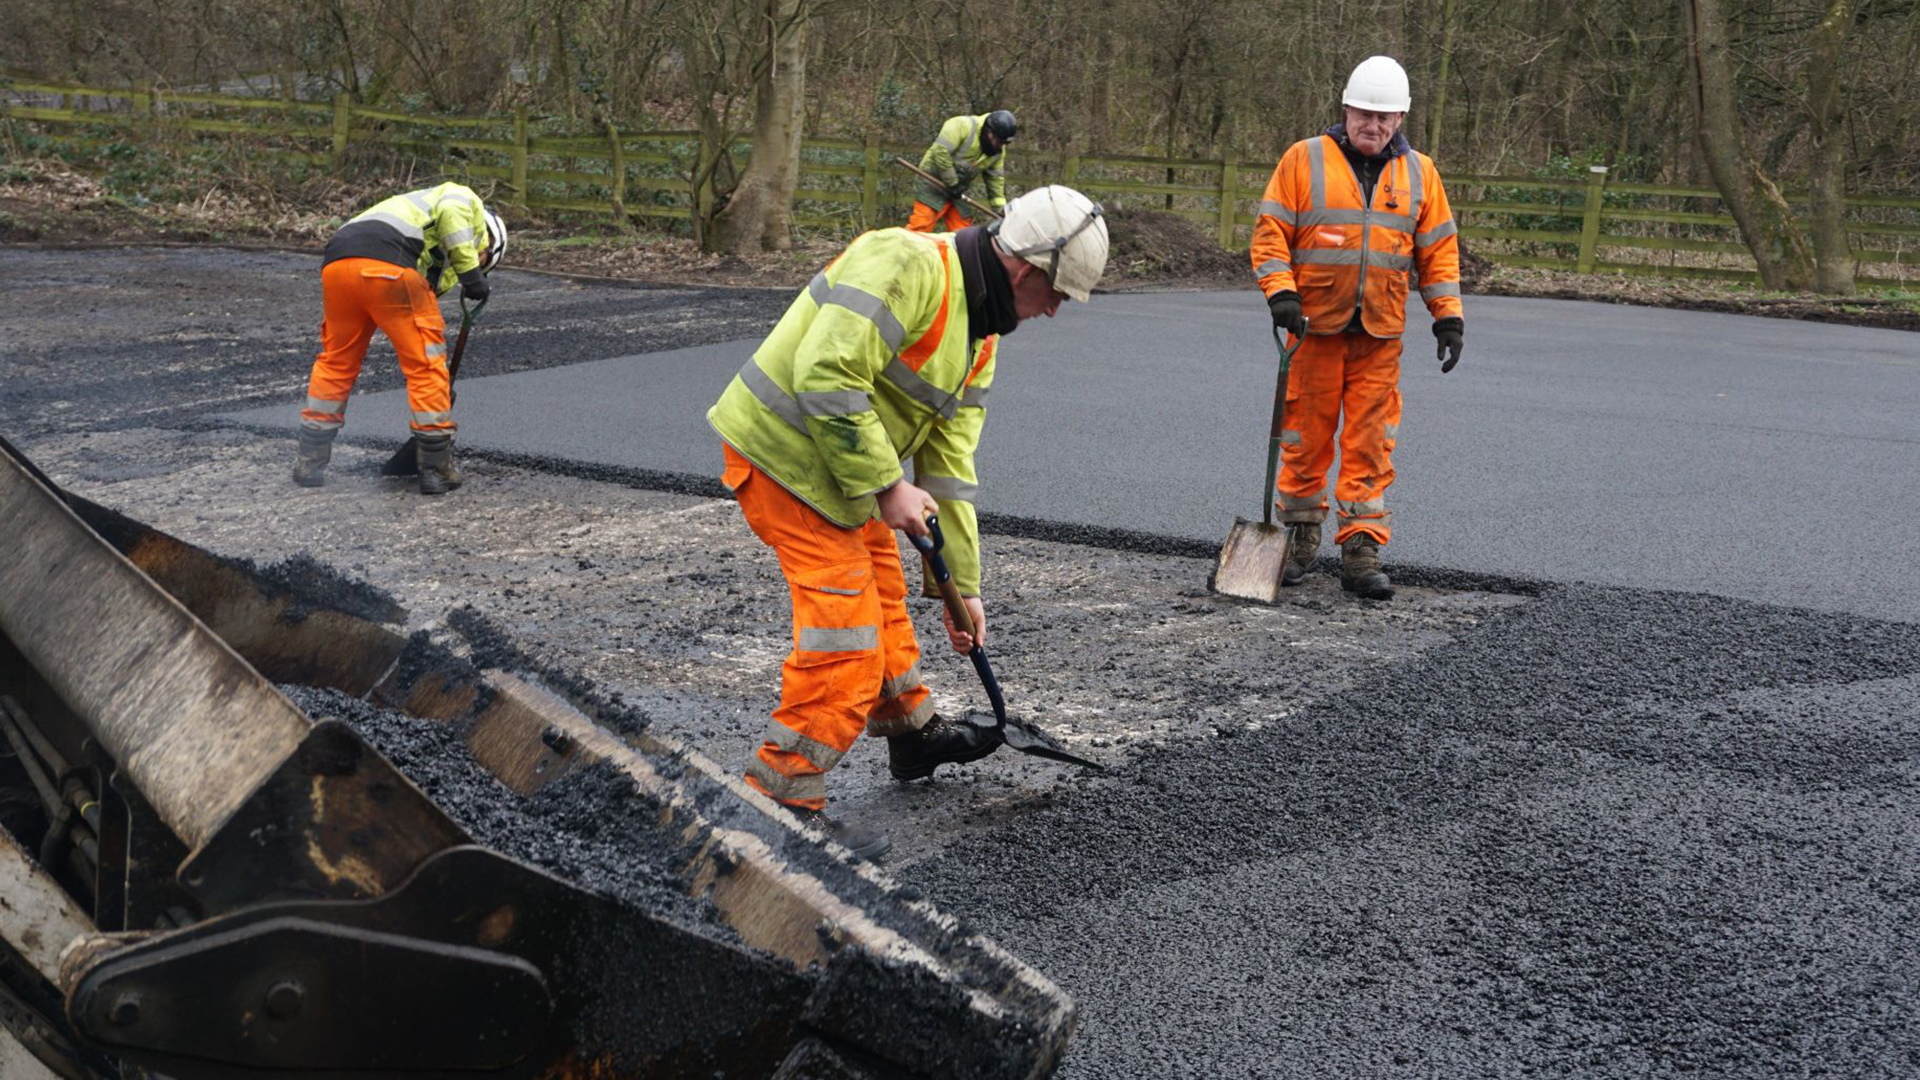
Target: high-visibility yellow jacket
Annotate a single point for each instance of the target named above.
(871, 365)
(1317, 236)
(958, 155)
(439, 231)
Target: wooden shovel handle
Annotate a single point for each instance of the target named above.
(929, 547)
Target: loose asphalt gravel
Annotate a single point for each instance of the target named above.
(1496, 827)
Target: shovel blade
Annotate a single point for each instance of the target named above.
(1027, 739)
(403, 462)
(1251, 561)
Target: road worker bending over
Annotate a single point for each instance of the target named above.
(886, 356)
(1347, 214)
(385, 270)
(967, 147)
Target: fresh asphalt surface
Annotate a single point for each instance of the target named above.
(1748, 457)
(1623, 831)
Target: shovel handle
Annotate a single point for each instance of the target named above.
(935, 181)
(1279, 422)
(929, 547)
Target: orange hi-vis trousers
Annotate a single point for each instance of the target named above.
(855, 664)
(359, 296)
(1334, 373)
(926, 217)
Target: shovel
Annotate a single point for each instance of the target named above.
(988, 211)
(404, 462)
(1017, 734)
(1256, 551)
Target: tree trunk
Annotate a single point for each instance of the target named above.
(1437, 93)
(1827, 110)
(1766, 223)
(759, 215)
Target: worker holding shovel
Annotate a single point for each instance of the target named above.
(967, 148)
(385, 271)
(888, 355)
(1346, 215)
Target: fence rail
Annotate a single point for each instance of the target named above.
(1587, 224)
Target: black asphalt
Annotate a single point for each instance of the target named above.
(1618, 832)
(1748, 457)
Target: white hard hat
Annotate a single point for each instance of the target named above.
(1379, 84)
(1060, 231)
(496, 242)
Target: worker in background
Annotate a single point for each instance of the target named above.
(1345, 216)
(385, 270)
(968, 147)
(886, 356)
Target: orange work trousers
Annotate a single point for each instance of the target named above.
(1334, 373)
(926, 217)
(855, 664)
(357, 297)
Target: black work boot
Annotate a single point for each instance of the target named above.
(861, 843)
(915, 754)
(434, 453)
(1303, 543)
(316, 449)
(1360, 571)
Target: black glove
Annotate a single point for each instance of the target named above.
(474, 287)
(1285, 306)
(1451, 334)
(955, 193)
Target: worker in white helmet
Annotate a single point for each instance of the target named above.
(887, 356)
(1346, 216)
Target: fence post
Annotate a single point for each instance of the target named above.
(142, 102)
(520, 153)
(1070, 172)
(1590, 223)
(342, 118)
(870, 183)
(619, 177)
(1229, 198)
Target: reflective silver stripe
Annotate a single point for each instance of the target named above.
(1438, 232)
(419, 199)
(394, 221)
(464, 236)
(834, 402)
(1272, 266)
(329, 426)
(838, 638)
(770, 395)
(1393, 431)
(436, 349)
(322, 405)
(1439, 289)
(1291, 438)
(428, 419)
(1332, 217)
(913, 720)
(1328, 256)
(1396, 222)
(901, 683)
(1363, 508)
(1389, 259)
(1301, 502)
(791, 788)
(974, 397)
(862, 303)
(815, 751)
(1413, 185)
(911, 384)
(948, 487)
(1275, 210)
(1317, 169)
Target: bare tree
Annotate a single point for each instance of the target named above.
(760, 211)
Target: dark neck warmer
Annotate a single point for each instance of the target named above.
(989, 290)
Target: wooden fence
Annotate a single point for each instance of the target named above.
(1587, 224)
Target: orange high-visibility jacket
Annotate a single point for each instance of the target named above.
(1317, 237)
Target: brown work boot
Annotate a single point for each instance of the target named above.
(1303, 544)
(912, 755)
(1360, 571)
(310, 464)
(434, 453)
(861, 843)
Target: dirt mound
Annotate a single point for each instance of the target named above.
(1154, 246)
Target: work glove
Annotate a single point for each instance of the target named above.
(955, 192)
(1450, 332)
(475, 288)
(1285, 306)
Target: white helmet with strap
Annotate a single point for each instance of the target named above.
(1060, 231)
(496, 242)
(1378, 84)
